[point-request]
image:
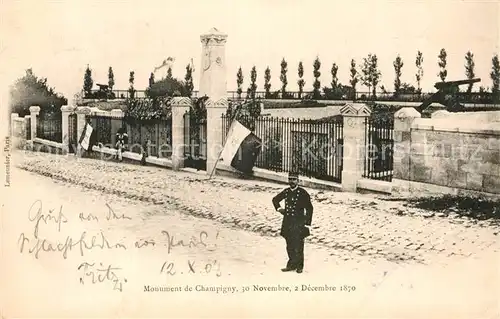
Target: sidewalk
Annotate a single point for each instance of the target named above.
(347, 223)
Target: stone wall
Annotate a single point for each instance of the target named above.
(19, 130)
(476, 117)
(455, 154)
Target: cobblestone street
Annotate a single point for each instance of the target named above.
(398, 259)
(351, 224)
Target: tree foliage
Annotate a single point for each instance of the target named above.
(398, 66)
(316, 74)
(151, 79)
(131, 90)
(371, 74)
(495, 77)
(354, 76)
(244, 111)
(252, 89)
(239, 82)
(168, 87)
(443, 73)
(111, 78)
(335, 80)
(30, 90)
(419, 60)
(188, 80)
(283, 78)
(469, 68)
(267, 81)
(88, 83)
(301, 81)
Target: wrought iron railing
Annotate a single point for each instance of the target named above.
(152, 137)
(379, 142)
(195, 141)
(49, 127)
(28, 129)
(313, 148)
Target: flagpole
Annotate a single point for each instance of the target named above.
(223, 146)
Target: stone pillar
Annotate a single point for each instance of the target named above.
(13, 129)
(213, 82)
(35, 111)
(215, 109)
(116, 124)
(17, 133)
(65, 112)
(180, 105)
(403, 120)
(81, 113)
(354, 149)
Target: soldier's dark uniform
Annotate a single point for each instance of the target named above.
(298, 213)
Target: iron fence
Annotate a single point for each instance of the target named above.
(101, 126)
(114, 94)
(28, 128)
(153, 137)
(484, 99)
(49, 127)
(195, 141)
(379, 146)
(313, 148)
(72, 132)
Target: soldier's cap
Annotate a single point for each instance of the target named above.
(293, 175)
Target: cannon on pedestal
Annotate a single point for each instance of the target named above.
(447, 94)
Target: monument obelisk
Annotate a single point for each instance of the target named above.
(213, 84)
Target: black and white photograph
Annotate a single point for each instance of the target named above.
(250, 159)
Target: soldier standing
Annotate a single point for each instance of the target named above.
(297, 217)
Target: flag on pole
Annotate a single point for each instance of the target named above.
(85, 138)
(242, 148)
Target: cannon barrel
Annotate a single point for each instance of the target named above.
(442, 85)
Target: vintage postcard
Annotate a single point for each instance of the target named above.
(250, 159)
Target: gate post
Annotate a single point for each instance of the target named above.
(81, 113)
(403, 120)
(35, 111)
(65, 111)
(354, 148)
(180, 105)
(215, 109)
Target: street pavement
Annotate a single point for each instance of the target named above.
(164, 228)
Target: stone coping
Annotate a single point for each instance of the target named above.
(374, 185)
(163, 162)
(455, 126)
(282, 177)
(48, 143)
(222, 168)
(227, 170)
(419, 189)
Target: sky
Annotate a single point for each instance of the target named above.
(58, 39)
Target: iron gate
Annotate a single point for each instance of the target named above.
(195, 142)
(72, 133)
(317, 149)
(379, 139)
